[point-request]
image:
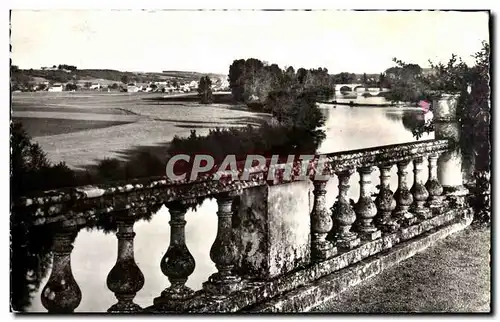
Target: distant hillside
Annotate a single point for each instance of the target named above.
(190, 75)
(102, 75)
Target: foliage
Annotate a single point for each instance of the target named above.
(473, 111)
(252, 81)
(30, 247)
(71, 87)
(67, 67)
(266, 140)
(24, 79)
(407, 82)
(383, 81)
(30, 171)
(480, 197)
(295, 132)
(205, 90)
(344, 78)
(365, 79)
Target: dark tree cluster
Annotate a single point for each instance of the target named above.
(205, 90)
(252, 80)
(472, 83)
(67, 67)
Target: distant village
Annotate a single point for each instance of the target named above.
(172, 87)
(160, 84)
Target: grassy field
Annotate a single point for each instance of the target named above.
(82, 128)
(454, 275)
(38, 127)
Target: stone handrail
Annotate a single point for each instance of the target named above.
(88, 202)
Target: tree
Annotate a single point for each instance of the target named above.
(66, 67)
(408, 84)
(344, 78)
(205, 90)
(30, 255)
(71, 87)
(124, 79)
(365, 79)
(301, 75)
(236, 79)
(253, 79)
(383, 82)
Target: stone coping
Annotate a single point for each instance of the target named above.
(134, 195)
(255, 294)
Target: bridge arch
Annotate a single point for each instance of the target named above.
(347, 87)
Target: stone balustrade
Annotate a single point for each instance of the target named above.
(316, 234)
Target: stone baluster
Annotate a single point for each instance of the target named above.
(125, 278)
(321, 224)
(224, 251)
(344, 216)
(385, 202)
(433, 186)
(177, 263)
(403, 197)
(61, 294)
(419, 191)
(365, 208)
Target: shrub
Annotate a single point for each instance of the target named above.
(30, 246)
(110, 170)
(144, 164)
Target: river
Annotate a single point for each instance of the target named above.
(95, 252)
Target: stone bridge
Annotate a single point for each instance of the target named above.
(356, 87)
(348, 87)
(289, 256)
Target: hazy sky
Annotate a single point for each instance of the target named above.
(208, 41)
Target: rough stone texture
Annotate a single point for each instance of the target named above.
(223, 252)
(305, 298)
(62, 294)
(260, 295)
(289, 227)
(321, 225)
(125, 278)
(273, 227)
(250, 231)
(177, 263)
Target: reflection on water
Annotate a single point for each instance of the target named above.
(350, 128)
(358, 99)
(95, 252)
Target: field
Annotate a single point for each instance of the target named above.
(82, 128)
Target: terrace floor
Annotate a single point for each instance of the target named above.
(452, 276)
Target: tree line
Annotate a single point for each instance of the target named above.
(252, 81)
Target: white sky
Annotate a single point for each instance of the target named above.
(208, 41)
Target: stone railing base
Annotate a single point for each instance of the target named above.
(308, 287)
(318, 292)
